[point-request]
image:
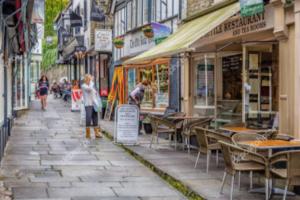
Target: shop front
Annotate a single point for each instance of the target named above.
(157, 73)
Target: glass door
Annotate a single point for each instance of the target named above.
(260, 78)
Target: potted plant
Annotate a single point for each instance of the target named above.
(147, 125)
(119, 42)
(148, 31)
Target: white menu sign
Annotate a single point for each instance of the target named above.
(127, 124)
(103, 40)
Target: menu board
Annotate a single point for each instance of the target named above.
(232, 77)
(127, 124)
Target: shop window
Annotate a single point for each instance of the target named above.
(161, 85)
(261, 88)
(147, 74)
(232, 79)
(204, 90)
(131, 79)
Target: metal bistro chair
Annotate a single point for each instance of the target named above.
(241, 160)
(207, 144)
(188, 130)
(291, 174)
(164, 126)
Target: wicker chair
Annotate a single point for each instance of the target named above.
(291, 174)
(164, 126)
(244, 137)
(241, 160)
(188, 130)
(207, 144)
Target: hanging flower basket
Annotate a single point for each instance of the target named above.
(148, 31)
(119, 42)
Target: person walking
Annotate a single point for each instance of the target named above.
(90, 98)
(43, 90)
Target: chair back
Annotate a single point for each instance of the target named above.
(218, 136)
(244, 137)
(201, 138)
(234, 154)
(293, 167)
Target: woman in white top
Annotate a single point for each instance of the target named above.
(89, 94)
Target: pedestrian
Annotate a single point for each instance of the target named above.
(137, 94)
(43, 90)
(90, 98)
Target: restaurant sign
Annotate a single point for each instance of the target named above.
(251, 7)
(239, 26)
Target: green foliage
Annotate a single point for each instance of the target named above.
(49, 53)
(52, 9)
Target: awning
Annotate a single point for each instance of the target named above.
(187, 34)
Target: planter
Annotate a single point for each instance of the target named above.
(148, 31)
(119, 42)
(148, 128)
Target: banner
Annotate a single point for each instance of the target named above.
(97, 14)
(75, 20)
(251, 7)
(103, 40)
(160, 31)
(76, 99)
(38, 13)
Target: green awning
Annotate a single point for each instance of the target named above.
(187, 34)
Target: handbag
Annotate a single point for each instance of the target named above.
(97, 103)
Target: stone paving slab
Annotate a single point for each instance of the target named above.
(48, 158)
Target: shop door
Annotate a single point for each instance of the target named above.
(260, 91)
(20, 84)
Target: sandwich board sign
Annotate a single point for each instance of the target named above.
(126, 124)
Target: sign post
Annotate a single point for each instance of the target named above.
(126, 124)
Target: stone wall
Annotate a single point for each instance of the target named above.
(194, 6)
(55, 73)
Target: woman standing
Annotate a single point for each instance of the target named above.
(89, 96)
(43, 89)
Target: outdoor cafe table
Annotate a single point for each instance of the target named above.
(270, 145)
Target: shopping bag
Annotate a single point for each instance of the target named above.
(97, 103)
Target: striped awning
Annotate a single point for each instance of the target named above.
(187, 34)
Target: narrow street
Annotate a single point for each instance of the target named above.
(47, 157)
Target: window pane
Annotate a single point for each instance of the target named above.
(146, 74)
(139, 12)
(204, 91)
(129, 16)
(170, 8)
(134, 13)
(145, 11)
(163, 9)
(161, 86)
(176, 7)
(158, 9)
(131, 80)
(123, 22)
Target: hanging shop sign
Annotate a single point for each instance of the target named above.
(127, 124)
(97, 14)
(38, 15)
(75, 20)
(103, 40)
(251, 7)
(136, 43)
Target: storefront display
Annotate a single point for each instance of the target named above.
(20, 82)
(156, 94)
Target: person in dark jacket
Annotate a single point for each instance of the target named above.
(137, 94)
(43, 89)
